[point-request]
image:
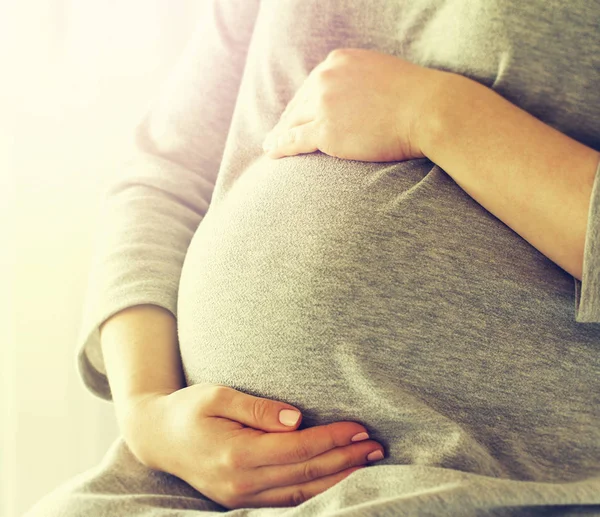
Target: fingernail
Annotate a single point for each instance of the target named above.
(359, 437)
(288, 417)
(375, 455)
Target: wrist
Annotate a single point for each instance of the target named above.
(445, 94)
(141, 421)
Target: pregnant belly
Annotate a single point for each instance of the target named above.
(306, 283)
(281, 274)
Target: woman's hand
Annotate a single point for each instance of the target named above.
(231, 447)
(357, 104)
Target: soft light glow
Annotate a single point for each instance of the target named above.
(80, 76)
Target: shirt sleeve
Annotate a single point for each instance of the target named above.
(587, 291)
(152, 210)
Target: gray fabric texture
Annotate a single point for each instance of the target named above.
(472, 357)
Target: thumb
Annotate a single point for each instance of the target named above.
(256, 412)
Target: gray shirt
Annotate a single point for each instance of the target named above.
(471, 356)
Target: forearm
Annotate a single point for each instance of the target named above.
(141, 355)
(535, 179)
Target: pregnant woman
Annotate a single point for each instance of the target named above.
(382, 214)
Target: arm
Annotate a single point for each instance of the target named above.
(141, 355)
(534, 178)
(162, 193)
(538, 181)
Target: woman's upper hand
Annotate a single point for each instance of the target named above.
(231, 447)
(358, 104)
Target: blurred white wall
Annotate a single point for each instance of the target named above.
(80, 74)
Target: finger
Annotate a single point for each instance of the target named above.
(299, 99)
(326, 464)
(298, 105)
(301, 139)
(303, 94)
(297, 446)
(256, 412)
(297, 494)
(302, 113)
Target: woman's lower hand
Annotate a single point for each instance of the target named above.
(231, 447)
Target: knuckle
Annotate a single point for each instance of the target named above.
(290, 136)
(302, 451)
(231, 459)
(298, 496)
(310, 472)
(236, 459)
(215, 395)
(325, 75)
(326, 99)
(231, 490)
(339, 53)
(260, 409)
(240, 487)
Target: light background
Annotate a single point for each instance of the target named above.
(76, 77)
